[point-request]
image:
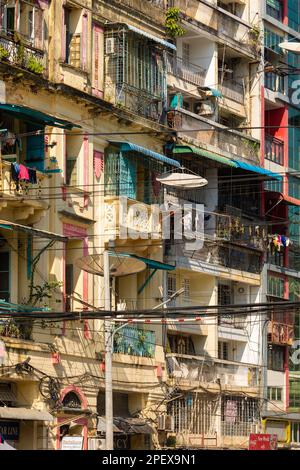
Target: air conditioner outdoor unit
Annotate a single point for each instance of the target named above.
(166, 423)
(110, 45)
(95, 443)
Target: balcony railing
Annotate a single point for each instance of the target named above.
(274, 149)
(135, 342)
(193, 369)
(22, 54)
(126, 218)
(21, 189)
(280, 333)
(233, 142)
(233, 321)
(233, 90)
(190, 73)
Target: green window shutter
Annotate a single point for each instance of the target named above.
(111, 174)
(127, 177)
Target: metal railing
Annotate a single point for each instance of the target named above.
(274, 149)
(231, 141)
(21, 54)
(20, 189)
(237, 322)
(206, 370)
(188, 72)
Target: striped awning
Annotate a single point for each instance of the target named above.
(185, 149)
(141, 32)
(131, 147)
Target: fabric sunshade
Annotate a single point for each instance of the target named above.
(153, 264)
(33, 115)
(258, 170)
(163, 42)
(24, 414)
(185, 149)
(130, 147)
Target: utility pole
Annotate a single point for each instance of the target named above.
(109, 435)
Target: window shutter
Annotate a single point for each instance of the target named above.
(127, 177)
(38, 28)
(98, 163)
(63, 35)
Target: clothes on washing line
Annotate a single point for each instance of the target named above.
(22, 173)
(277, 242)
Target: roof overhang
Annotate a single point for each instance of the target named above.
(23, 112)
(24, 414)
(4, 224)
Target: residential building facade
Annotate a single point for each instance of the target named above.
(99, 98)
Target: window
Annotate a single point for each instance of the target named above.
(295, 432)
(171, 289)
(69, 285)
(8, 12)
(71, 178)
(272, 41)
(294, 392)
(276, 358)
(74, 28)
(275, 286)
(186, 294)
(225, 294)
(294, 15)
(4, 275)
(223, 350)
(275, 9)
(275, 393)
(180, 344)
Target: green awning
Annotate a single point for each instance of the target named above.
(186, 149)
(22, 112)
(151, 263)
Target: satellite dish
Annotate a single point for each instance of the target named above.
(182, 180)
(290, 46)
(120, 264)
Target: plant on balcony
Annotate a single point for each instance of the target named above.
(34, 65)
(10, 329)
(3, 53)
(172, 25)
(171, 441)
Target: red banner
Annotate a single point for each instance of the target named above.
(263, 442)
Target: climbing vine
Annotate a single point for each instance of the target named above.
(172, 23)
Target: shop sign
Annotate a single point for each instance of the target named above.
(72, 443)
(10, 430)
(263, 442)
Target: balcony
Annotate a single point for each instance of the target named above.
(22, 53)
(135, 342)
(221, 24)
(211, 133)
(23, 198)
(274, 149)
(190, 370)
(233, 321)
(189, 73)
(130, 219)
(233, 90)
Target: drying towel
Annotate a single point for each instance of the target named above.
(15, 170)
(23, 175)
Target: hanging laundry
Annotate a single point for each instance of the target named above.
(32, 176)
(23, 174)
(15, 170)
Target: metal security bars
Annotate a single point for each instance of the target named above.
(239, 415)
(135, 72)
